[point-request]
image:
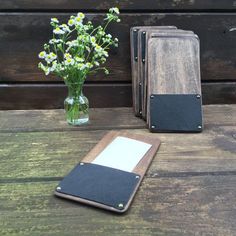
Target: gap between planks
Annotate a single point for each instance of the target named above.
(159, 175)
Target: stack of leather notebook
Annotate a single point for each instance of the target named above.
(166, 78)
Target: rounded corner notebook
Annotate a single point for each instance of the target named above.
(109, 175)
(174, 83)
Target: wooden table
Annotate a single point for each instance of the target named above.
(190, 188)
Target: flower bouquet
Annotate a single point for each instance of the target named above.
(77, 50)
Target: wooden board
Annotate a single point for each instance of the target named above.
(143, 64)
(15, 121)
(123, 5)
(20, 44)
(46, 147)
(25, 96)
(180, 206)
(173, 66)
(135, 63)
(188, 190)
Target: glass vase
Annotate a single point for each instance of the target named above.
(76, 105)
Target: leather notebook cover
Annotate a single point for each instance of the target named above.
(110, 174)
(175, 113)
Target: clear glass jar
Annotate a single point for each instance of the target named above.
(76, 105)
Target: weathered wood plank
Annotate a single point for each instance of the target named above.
(173, 64)
(41, 96)
(44, 96)
(189, 188)
(54, 120)
(20, 43)
(107, 118)
(123, 5)
(163, 206)
(33, 156)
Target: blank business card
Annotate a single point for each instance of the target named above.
(122, 153)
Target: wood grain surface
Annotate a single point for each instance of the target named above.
(188, 190)
(119, 118)
(41, 96)
(123, 5)
(143, 66)
(173, 65)
(136, 60)
(20, 43)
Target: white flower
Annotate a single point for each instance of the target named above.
(65, 28)
(89, 65)
(71, 22)
(98, 48)
(67, 56)
(116, 40)
(50, 57)
(109, 36)
(78, 20)
(58, 31)
(42, 55)
(69, 61)
(114, 10)
(53, 56)
(54, 20)
(93, 40)
(52, 41)
(81, 15)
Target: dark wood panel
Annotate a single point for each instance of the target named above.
(41, 96)
(22, 36)
(219, 93)
(123, 5)
(52, 96)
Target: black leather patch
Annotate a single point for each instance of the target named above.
(175, 113)
(108, 186)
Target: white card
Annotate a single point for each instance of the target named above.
(122, 153)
